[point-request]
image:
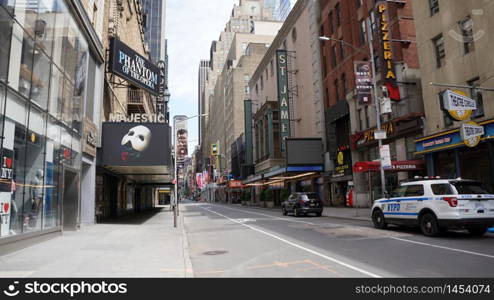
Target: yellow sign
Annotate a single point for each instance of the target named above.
(214, 150)
(471, 134)
(386, 42)
(460, 115)
(341, 158)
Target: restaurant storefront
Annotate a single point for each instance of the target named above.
(45, 96)
(461, 152)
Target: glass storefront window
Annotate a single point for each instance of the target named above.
(68, 102)
(41, 78)
(56, 93)
(35, 175)
(45, 24)
(52, 176)
(21, 61)
(60, 28)
(26, 13)
(5, 37)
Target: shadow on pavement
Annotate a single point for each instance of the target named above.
(138, 218)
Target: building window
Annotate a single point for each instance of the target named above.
(262, 83)
(439, 51)
(337, 90)
(434, 6)
(95, 14)
(477, 96)
(363, 32)
(367, 120)
(342, 50)
(360, 119)
(448, 121)
(271, 66)
(333, 55)
(466, 28)
(338, 15)
(344, 84)
(294, 34)
(330, 23)
(257, 89)
(358, 3)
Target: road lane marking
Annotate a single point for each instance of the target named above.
(444, 247)
(266, 215)
(349, 266)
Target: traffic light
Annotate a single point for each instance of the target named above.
(214, 150)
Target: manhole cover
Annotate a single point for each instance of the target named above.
(217, 252)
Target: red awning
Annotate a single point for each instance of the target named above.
(398, 166)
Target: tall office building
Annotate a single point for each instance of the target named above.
(279, 8)
(201, 101)
(154, 33)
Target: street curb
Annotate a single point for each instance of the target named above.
(189, 271)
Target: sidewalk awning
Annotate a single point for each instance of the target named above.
(398, 166)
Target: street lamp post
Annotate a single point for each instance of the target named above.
(374, 84)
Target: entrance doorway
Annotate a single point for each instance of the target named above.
(70, 199)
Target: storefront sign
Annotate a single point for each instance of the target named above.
(283, 96)
(370, 135)
(471, 133)
(396, 166)
(160, 100)
(89, 139)
(133, 67)
(458, 105)
(7, 170)
(235, 184)
(304, 152)
(385, 35)
(343, 162)
(137, 118)
(135, 144)
(363, 82)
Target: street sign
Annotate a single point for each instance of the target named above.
(472, 133)
(385, 152)
(380, 135)
(458, 105)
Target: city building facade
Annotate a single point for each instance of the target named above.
(455, 39)
(51, 74)
(286, 102)
(351, 118)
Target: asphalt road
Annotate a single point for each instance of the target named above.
(236, 241)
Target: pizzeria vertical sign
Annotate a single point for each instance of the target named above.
(133, 67)
(283, 96)
(385, 36)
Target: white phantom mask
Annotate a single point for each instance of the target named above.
(139, 137)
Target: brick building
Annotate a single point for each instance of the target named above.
(350, 124)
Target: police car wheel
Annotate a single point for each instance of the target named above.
(477, 231)
(429, 225)
(378, 219)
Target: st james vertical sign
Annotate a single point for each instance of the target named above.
(283, 96)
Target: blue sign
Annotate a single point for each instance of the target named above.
(305, 169)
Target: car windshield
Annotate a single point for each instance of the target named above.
(465, 188)
(307, 197)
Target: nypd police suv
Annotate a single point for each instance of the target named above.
(437, 205)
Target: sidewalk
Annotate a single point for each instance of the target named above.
(143, 245)
(348, 213)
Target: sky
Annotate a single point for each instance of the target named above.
(191, 26)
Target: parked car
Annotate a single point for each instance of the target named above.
(302, 204)
(436, 206)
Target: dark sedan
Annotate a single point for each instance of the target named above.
(302, 204)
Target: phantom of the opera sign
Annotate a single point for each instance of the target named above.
(133, 67)
(283, 96)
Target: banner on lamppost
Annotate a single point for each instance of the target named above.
(363, 82)
(385, 152)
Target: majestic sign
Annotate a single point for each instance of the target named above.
(160, 100)
(459, 106)
(137, 118)
(363, 82)
(283, 96)
(136, 144)
(133, 67)
(471, 134)
(385, 35)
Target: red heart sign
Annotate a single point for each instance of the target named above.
(6, 207)
(8, 161)
(125, 156)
